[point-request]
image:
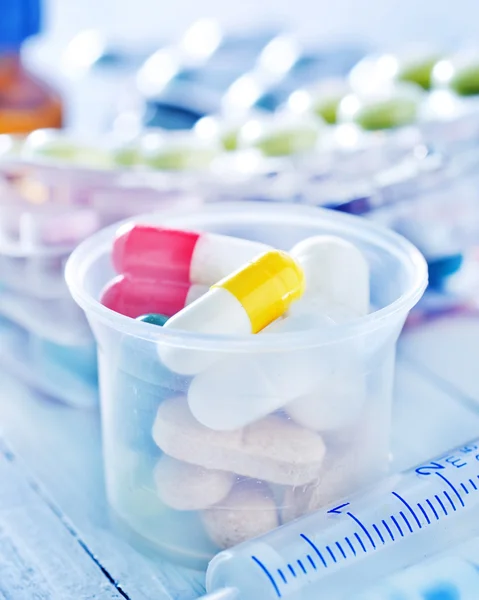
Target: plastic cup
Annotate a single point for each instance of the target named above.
(185, 490)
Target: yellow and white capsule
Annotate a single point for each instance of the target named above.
(244, 302)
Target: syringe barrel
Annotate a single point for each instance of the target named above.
(345, 548)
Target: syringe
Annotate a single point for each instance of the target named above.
(342, 551)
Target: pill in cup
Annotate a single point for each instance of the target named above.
(276, 423)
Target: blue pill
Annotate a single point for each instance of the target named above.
(154, 319)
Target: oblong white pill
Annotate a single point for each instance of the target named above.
(273, 449)
(335, 268)
(335, 403)
(184, 486)
(256, 385)
(249, 511)
(239, 390)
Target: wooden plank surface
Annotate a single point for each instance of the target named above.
(62, 448)
(40, 559)
(62, 481)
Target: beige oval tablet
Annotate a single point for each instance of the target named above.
(273, 449)
(247, 512)
(183, 486)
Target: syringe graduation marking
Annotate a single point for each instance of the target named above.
(397, 525)
(356, 520)
(430, 504)
(441, 504)
(357, 536)
(404, 518)
(409, 507)
(380, 535)
(341, 549)
(268, 575)
(388, 530)
(449, 500)
(301, 566)
(348, 542)
(424, 513)
(331, 554)
(314, 547)
(453, 488)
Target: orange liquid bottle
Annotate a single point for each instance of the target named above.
(26, 103)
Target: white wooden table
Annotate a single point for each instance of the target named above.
(56, 538)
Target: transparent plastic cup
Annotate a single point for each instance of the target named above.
(184, 490)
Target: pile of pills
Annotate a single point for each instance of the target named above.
(236, 442)
(388, 107)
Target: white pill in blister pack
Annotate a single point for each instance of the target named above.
(273, 449)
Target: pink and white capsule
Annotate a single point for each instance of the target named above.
(153, 252)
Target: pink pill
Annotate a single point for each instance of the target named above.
(135, 297)
(175, 255)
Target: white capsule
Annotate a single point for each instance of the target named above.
(335, 403)
(322, 380)
(183, 486)
(247, 512)
(216, 312)
(245, 302)
(238, 390)
(335, 268)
